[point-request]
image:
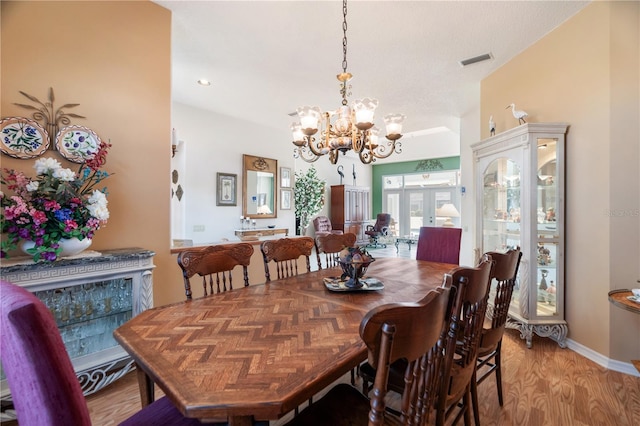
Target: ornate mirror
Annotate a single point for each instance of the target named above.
(259, 177)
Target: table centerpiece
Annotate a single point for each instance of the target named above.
(354, 262)
(41, 214)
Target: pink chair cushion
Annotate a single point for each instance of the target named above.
(439, 244)
(44, 387)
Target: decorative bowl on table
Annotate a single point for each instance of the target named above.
(354, 262)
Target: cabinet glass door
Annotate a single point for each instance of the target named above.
(501, 225)
(547, 228)
(501, 205)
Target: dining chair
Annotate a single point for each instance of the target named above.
(504, 273)
(215, 261)
(460, 345)
(390, 333)
(285, 252)
(44, 387)
(330, 245)
(457, 391)
(439, 244)
(379, 229)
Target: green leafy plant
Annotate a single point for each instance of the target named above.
(308, 195)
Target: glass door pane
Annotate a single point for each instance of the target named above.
(548, 234)
(416, 201)
(391, 205)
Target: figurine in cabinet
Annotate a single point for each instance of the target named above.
(551, 215)
(544, 257)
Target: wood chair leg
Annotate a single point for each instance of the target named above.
(467, 406)
(499, 374)
(474, 400)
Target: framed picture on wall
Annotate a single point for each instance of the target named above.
(285, 177)
(285, 199)
(226, 189)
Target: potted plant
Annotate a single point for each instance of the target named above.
(308, 191)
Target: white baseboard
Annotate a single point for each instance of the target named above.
(611, 364)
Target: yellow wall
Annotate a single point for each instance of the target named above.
(586, 73)
(114, 59)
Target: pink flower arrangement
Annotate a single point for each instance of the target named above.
(58, 203)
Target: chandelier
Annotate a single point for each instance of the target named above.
(347, 128)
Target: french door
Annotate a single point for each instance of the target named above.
(413, 208)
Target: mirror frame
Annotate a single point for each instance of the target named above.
(259, 164)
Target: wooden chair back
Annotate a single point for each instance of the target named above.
(412, 332)
(504, 274)
(215, 261)
(463, 339)
(439, 244)
(285, 252)
(330, 245)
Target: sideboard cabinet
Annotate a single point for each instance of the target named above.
(350, 210)
(89, 297)
(520, 183)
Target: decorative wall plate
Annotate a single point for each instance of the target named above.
(22, 138)
(77, 144)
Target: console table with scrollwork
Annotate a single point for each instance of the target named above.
(90, 295)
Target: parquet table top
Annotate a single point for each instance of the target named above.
(263, 350)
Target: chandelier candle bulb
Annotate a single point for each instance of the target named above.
(298, 136)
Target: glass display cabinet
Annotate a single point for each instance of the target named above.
(520, 198)
(89, 297)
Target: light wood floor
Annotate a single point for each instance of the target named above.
(545, 385)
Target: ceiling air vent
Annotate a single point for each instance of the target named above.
(476, 59)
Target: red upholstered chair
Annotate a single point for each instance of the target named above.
(439, 244)
(43, 384)
(322, 226)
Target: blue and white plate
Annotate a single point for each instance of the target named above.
(22, 138)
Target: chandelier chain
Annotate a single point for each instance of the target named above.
(352, 128)
(344, 36)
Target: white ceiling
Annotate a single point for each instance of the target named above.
(265, 58)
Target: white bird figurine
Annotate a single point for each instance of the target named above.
(520, 115)
(492, 126)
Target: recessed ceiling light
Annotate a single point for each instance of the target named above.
(204, 82)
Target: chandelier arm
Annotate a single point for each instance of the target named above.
(333, 156)
(358, 139)
(311, 144)
(366, 157)
(379, 151)
(302, 153)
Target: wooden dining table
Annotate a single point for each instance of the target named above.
(260, 351)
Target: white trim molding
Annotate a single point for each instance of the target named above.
(598, 358)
